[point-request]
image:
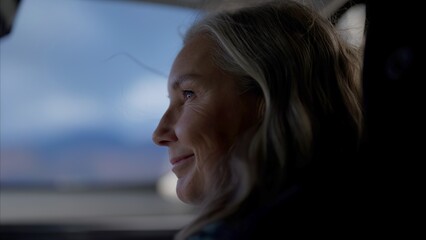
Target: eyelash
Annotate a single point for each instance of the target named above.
(185, 94)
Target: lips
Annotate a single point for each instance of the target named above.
(179, 159)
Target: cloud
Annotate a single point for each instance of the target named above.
(69, 110)
(146, 99)
(52, 114)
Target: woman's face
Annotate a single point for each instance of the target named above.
(206, 113)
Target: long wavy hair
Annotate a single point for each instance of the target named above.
(308, 83)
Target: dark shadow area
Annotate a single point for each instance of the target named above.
(66, 232)
(391, 161)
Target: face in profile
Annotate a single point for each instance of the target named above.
(207, 112)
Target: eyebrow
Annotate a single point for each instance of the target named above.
(183, 78)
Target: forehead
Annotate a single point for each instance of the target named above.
(194, 60)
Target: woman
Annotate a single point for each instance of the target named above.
(264, 117)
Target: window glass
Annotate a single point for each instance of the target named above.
(83, 86)
(352, 24)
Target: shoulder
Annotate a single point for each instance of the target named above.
(300, 212)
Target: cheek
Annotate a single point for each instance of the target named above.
(206, 128)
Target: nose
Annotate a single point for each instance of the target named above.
(164, 134)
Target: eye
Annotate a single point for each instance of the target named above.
(188, 94)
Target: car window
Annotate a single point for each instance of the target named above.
(83, 85)
(352, 24)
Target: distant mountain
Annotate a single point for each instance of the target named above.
(83, 158)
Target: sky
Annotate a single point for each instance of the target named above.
(88, 75)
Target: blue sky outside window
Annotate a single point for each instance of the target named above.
(83, 85)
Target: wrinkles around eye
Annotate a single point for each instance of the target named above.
(188, 94)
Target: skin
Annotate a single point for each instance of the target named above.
(207, 112)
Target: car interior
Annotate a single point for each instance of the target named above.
(113, 201)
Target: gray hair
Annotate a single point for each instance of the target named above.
(309, 88)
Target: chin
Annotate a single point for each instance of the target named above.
(188, 193)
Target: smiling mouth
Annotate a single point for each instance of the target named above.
(177, 160)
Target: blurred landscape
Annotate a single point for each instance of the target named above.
(83, 84)
(84, 159)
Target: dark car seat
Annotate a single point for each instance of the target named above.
(394, 148)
